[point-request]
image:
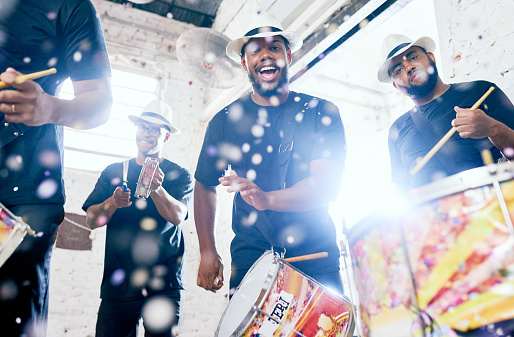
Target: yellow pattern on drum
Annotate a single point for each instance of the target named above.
(474, 233)
(490, 306)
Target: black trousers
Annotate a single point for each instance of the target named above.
(25, 276)
(121, 318)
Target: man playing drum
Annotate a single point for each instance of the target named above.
(144, 246)
(34, 36)
(410, 66)
(287, 153)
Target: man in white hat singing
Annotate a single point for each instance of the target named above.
(144, 244)
(410, 66)
(286, 151)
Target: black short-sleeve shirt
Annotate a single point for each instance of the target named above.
(407, 144)
(36, 35)
(138, 238)
(249, 137)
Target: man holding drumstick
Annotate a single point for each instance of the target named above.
(36, 35)
(410, 66)
(286, 152)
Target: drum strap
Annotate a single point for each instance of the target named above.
(286, 145)
(427, 131)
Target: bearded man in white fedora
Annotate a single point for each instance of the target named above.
(410, 66)
(286, 151)
(144, 243)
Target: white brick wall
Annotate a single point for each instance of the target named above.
(476, 38)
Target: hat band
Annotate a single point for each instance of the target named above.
(264, 29)
(153, 114)
(396, 49)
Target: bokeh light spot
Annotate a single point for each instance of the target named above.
(46, 189)
(148, 224)
(117, 277)
(158, 314)
(251, 174)
(257, 159)
(141, 204)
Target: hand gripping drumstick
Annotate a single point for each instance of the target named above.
(306, 257)
(443, 140)
(22, 78)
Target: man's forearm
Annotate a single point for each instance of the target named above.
(502, 137)
(87, 110)
(100, 214)
(306, 195)
(205, 199)
(168, 207)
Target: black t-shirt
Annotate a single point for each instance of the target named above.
(407, 144)
(36, 35)
(248, 137)
(137, 233)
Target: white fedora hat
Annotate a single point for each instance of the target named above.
(156, 112)
(262, 24)
(395, 44)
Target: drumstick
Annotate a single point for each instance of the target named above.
(443, 140)
(22, 78)
(306, 257)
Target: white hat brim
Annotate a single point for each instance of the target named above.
(424, 42)
(234, 47)
(153, 120)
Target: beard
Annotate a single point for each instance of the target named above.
(421, 90)
(262, 88)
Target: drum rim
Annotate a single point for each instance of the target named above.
(469, 179)
(263, 294)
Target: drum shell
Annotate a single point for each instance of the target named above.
(12, 233)
(294, 301)
(451, 248)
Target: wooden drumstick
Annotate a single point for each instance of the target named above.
(306, 257)
(443, 140)
(22, 78)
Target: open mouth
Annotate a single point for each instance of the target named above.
(268, 73)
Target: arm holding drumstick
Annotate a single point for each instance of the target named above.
(443, 140)
(22, 78)
(31, 105)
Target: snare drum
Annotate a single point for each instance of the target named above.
(451, 257)
(12, 232)
(275, 299)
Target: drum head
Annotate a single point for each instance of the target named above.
(252, 290)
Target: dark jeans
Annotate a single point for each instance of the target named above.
(25, 276)
(121, 318)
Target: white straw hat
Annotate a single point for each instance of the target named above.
(395, 44)
(156, 112)
(262, 24)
